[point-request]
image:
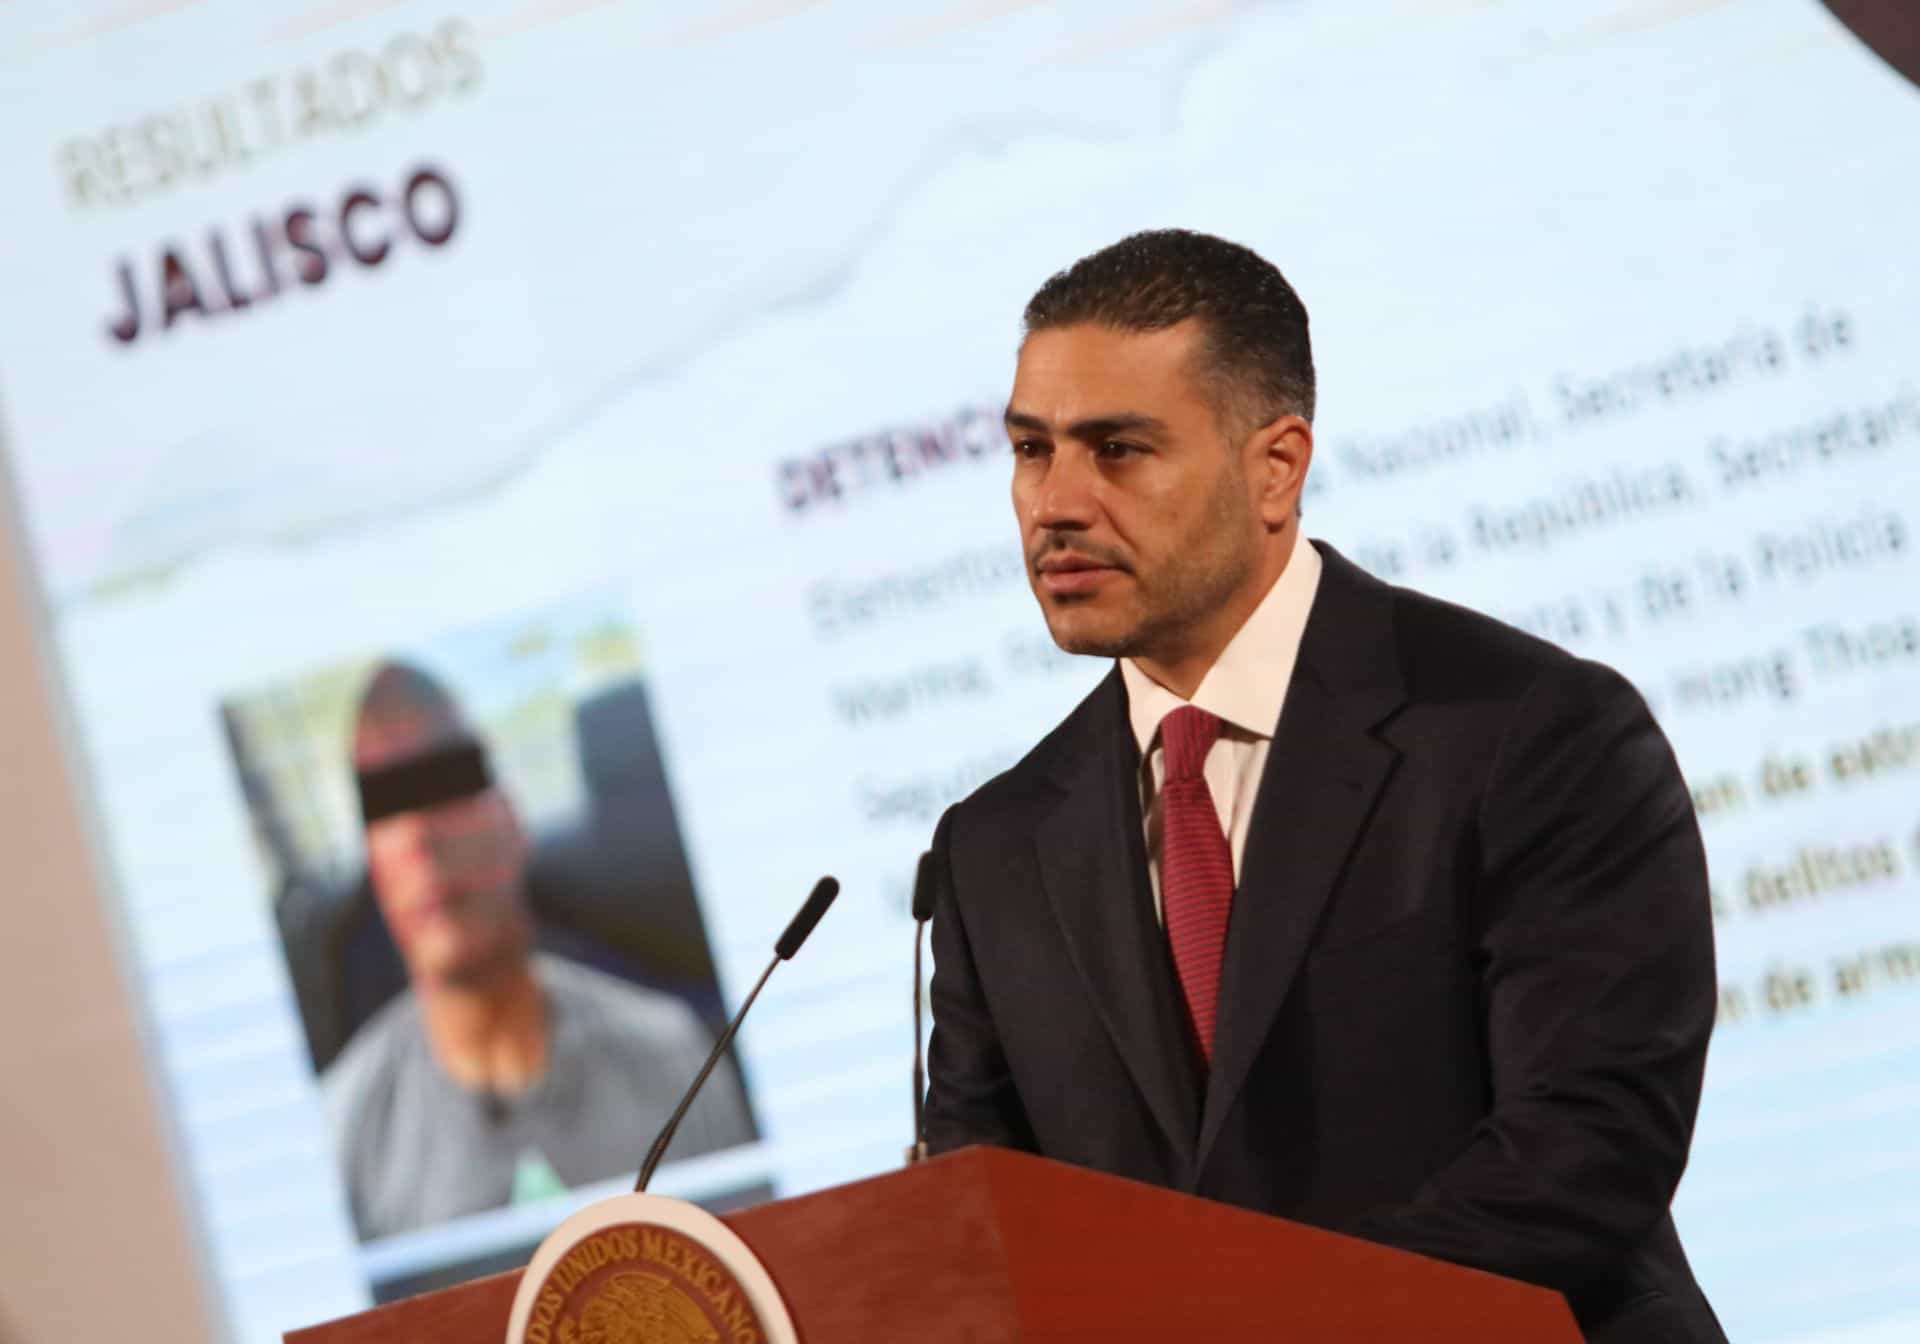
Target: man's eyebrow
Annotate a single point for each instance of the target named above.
(1093, 427)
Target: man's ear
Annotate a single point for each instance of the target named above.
(1282, 450)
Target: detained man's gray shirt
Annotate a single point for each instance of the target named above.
(417, 1148)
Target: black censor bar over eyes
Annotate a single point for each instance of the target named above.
(457, 770)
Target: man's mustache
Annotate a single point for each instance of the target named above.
(1060, 546)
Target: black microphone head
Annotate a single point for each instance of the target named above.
(923, 889)
(823, 893)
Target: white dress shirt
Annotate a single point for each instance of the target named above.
(1245, 688)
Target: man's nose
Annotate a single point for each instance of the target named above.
(407, 834)
(1066, 497)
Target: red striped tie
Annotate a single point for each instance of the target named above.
(1196, 867)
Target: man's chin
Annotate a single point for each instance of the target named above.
(463, 964)
(1093, 638)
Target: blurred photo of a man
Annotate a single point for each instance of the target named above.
(502, 1073)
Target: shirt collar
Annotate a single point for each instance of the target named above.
(1247, 683)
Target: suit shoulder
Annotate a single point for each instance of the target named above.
(1449, 651)
(1013, 789)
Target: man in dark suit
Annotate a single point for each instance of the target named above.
(1333, 900)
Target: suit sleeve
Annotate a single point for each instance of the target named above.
(970, 1091)
(1595, 948)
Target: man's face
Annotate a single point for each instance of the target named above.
(448, 876)
(1140, 522)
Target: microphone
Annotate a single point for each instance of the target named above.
(817, 902)
(922, 912)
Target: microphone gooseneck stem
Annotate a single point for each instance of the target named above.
(818, 900)
(659, 1149)
(919, 1149)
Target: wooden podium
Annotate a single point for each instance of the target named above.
(985, 1246)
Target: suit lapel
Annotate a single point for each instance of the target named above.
(1093, 865)
(1325, 769)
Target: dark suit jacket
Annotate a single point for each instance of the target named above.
(1469, 976)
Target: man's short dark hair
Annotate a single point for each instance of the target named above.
(1258, 354)
(403, 693)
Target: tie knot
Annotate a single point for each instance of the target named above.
(1186, 736)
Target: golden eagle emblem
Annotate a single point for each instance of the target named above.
(639, 1308)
